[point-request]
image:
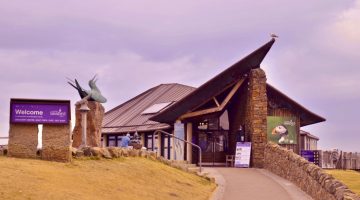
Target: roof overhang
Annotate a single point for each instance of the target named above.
(212, 87)
(306, 116)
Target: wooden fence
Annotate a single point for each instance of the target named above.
(340, 160)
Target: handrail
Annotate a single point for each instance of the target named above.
(169, 134)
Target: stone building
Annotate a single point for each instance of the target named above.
(234, 104)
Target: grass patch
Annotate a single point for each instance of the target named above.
(125, 178)
(348, 177)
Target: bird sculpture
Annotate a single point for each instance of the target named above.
(273, 35)
(94, 94)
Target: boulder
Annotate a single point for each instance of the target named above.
(115, 152)
(105, 153)
(96, 151)
(79, 153)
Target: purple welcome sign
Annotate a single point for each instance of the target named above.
(39, 111)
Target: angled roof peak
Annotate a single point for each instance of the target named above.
(216, 84)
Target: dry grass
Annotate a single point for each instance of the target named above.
(127, 178)
(348, 177)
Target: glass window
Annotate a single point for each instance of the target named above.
(156, 108)
(112, 141)
(149, 141)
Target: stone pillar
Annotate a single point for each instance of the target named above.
(257, 113)
(23, 140)
(56, 142)
(94, 122)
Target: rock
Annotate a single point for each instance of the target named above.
(125, 152)
(115, 152)
(96, 151)
(87, 151)
(79, 153)
(134, 153)
(94, 120)
(143, 153)
(105, 153)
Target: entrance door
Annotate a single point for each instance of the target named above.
(213, 146)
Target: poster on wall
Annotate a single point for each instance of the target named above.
(179, 132)
(34, 111)
(281, 130)
(242, 154)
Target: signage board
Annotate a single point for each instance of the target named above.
(311, 156)
(179, 132)
(242, 154)
(282, 130)
(35, 111)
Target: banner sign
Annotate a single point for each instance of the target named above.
(311, 156)
(34, 111)
(242, 154)
(179, 132)
(282, 130)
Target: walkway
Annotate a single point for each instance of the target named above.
(243, 183)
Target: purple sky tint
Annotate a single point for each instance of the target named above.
(135, 45)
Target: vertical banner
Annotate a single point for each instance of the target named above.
(179, 132)
(242, 154)
(281, 130)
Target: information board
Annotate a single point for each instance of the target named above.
(311, 156)
(242, 154)
(39, 111)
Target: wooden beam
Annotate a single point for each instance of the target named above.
(232, 92)
(224, 89)
(216, 101)
(215, 109)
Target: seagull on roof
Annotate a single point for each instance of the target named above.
(273, 35)
(94, 94)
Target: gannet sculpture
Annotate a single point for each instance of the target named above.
(94, 94)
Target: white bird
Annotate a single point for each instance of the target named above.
(273, 35)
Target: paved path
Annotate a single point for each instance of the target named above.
(243, 183)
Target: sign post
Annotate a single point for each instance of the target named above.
(84, 109)
(242, 154)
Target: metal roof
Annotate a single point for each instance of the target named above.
(128, 116)
(304, 133)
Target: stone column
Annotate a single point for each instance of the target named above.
(257, 113)
(23, 140)
(94, 122)
(56, 142)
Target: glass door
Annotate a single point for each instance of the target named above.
(213, 145)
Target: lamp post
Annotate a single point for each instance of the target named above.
(84, 109)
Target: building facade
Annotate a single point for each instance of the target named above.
(308, 141)
(231, 107)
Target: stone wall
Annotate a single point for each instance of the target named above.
(256, 115)
(23, 140)
(94, 121)
(56, 143)
(307, 176)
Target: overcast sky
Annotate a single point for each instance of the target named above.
(136, 45)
